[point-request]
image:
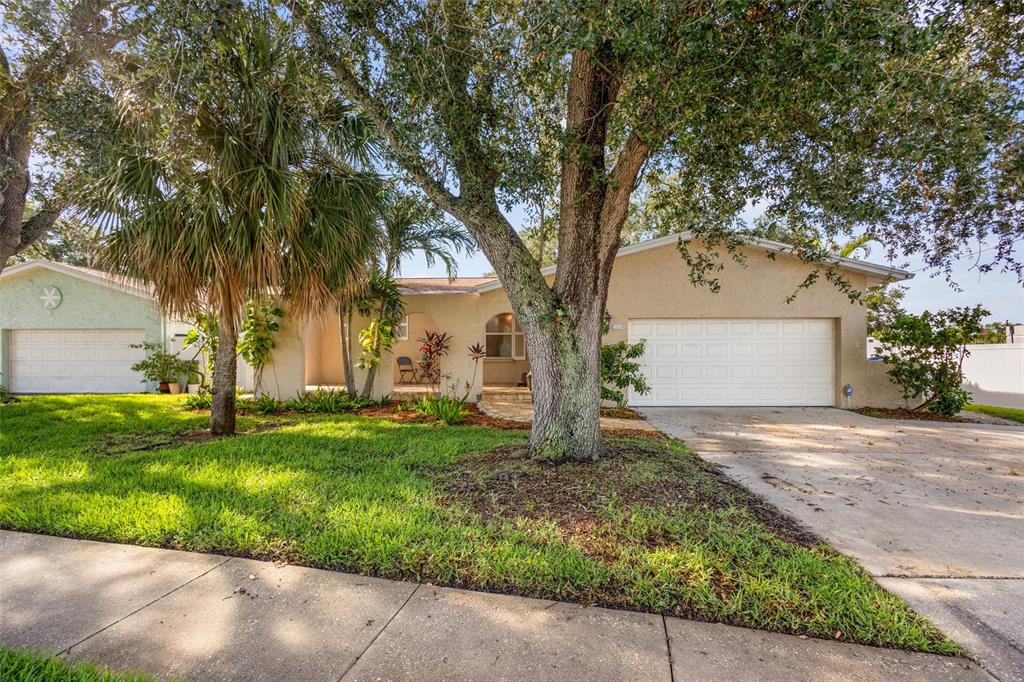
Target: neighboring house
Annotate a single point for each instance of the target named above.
(69, 329)
(743, 346)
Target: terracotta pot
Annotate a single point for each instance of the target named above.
(164, 387)
(175, 387)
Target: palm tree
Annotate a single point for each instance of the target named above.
(860, 243)
(410, 224)
(239, 183)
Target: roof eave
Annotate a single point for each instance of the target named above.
(881, 271)
(53, 266)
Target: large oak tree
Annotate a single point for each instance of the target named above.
(899, 118)
(52, 108)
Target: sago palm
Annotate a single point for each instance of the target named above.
(238, 182)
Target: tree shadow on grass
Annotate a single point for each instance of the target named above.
(266, 495)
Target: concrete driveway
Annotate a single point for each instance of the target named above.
(935, 511)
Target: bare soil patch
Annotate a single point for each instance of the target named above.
(583, 499)
(119, 444)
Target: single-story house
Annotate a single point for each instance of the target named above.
(743, 346)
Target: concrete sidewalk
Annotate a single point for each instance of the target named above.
(206, 617)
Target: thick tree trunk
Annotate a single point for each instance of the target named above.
(562, 322)
(564, 358)
(16, 233)
(225, 369)
(345, 320)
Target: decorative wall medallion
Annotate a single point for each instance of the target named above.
(51, 298)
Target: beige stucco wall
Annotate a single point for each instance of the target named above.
(655, 283)
(649, 284)
(284, 375)
(84, 305)
(419, 324)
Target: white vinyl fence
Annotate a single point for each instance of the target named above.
(994, 374)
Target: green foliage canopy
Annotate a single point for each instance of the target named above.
(925, 355)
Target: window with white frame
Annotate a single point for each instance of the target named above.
(402, 329)
(503, 338)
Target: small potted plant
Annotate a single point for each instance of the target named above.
(162, 367)
(195, 378)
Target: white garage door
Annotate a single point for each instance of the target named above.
(736, 362)
(75, 360)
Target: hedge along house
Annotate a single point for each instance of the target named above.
(69, 329)
(744, 346)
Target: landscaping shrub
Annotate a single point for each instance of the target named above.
(925, 355)
(328, 401)
(198, 401)
(265, 404)
(619, 372)
(443, 408)
(160, 366)
(6, 396)
(262, 322)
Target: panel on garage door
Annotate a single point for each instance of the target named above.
(736, 362)
(75, 360)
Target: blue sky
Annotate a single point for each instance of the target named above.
(998, 292)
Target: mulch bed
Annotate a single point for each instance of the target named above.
(394, 411)
(506, 484)
(474, 417)
(620, 413)
(904, 413)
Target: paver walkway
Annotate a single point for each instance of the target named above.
(207, 617)
(934, 511)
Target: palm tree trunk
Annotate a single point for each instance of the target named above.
(225, 370)
(371, 373)
(345, 320)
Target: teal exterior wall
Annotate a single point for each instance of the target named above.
(84, 305)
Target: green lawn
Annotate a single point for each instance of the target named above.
(654, 528)
(1010, 413)
(26, 666)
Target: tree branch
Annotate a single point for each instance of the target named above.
(39, 224)
(622, 182)
(477, 210)
(409, 158)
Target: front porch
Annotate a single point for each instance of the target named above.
(491, 392)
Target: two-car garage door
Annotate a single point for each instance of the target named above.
(75, 360)
(741, 362)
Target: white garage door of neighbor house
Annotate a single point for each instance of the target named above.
(736, 362)
(75, 360)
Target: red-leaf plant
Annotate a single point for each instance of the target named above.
(433, 347)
